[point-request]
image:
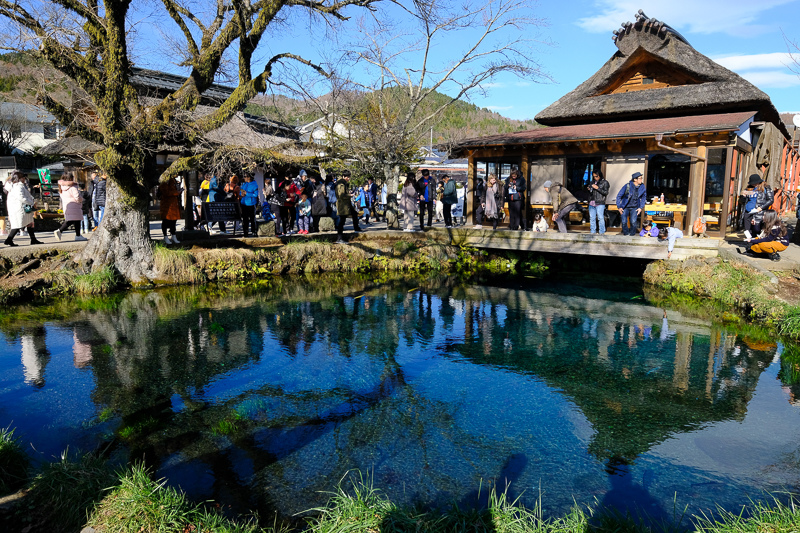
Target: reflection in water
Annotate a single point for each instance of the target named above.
(268, 398)
(34, 355)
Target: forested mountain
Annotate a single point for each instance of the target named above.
(461, 120)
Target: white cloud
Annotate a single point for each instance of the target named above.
(755, 61)
(763, 70)
(493, 85)
(771, 79)
(706, 16)
(499, 107)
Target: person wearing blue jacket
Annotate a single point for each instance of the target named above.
(630, 201)
(249, 200)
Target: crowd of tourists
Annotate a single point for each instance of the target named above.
(297, 203)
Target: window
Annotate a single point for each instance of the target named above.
(579, 175)
(50, 131)
(715, 173)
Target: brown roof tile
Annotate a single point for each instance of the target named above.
(616, 130)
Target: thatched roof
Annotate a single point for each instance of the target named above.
(71, 146)
(243, 130)
(651, 48)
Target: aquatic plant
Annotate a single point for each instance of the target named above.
(13, 462)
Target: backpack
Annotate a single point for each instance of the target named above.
(699, 226)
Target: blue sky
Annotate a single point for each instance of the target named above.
(748, 37)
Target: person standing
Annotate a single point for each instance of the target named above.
(168, 192)
(4, 204)
(249, 193)
(303, 214)
(86, 207)
(373, 198)
(514, 193)
(18, 217)
(563, 203)
(493, 200)
(449, 198)
(99, 202)
(408, 201)
(480, 191)
(344, 206)
(319, 203)
(427, 192)
(72, 206)
(438, 205)
(598, 190)
(330, 183)
(631, 200)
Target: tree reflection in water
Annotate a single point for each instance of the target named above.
(265, 398)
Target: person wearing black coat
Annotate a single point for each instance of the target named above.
(426, 188)
(480, 192)
(319, 203)
(598, 190)
(514, 193)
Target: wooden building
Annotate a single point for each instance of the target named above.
(694, 129)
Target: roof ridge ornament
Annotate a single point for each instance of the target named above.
(646, 24)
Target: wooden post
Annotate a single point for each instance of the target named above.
(697, 184)
(469, 204)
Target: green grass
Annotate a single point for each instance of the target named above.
(137, 504)
(64, 492)
(13, 462)
(102, 281)
(735, 286)
(176, 264)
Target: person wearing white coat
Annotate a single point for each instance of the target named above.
(18, 197)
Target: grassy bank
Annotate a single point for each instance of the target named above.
(240, 263)
(80, 491)
(736, 286)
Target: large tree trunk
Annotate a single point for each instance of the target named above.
(392, 175)
(122, 241)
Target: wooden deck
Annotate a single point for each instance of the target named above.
(610, 245)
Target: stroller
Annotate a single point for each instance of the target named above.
(266, 212)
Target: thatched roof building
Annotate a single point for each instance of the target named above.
(651, 55)
(659, 107)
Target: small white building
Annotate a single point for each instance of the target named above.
(319, 131)
(26, 127)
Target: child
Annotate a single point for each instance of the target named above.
(649, 230)
(539, 223)
(304, 212)
(671, 234)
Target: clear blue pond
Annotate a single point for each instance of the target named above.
(267, 399)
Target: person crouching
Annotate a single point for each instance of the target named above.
(772, 239)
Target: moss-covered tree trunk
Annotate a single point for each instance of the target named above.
(122, 240)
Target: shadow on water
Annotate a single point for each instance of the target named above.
(266, 398)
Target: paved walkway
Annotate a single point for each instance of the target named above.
(790, 259)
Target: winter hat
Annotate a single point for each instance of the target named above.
(754, 180)
(547, 184)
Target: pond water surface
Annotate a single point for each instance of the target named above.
(266, 399)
